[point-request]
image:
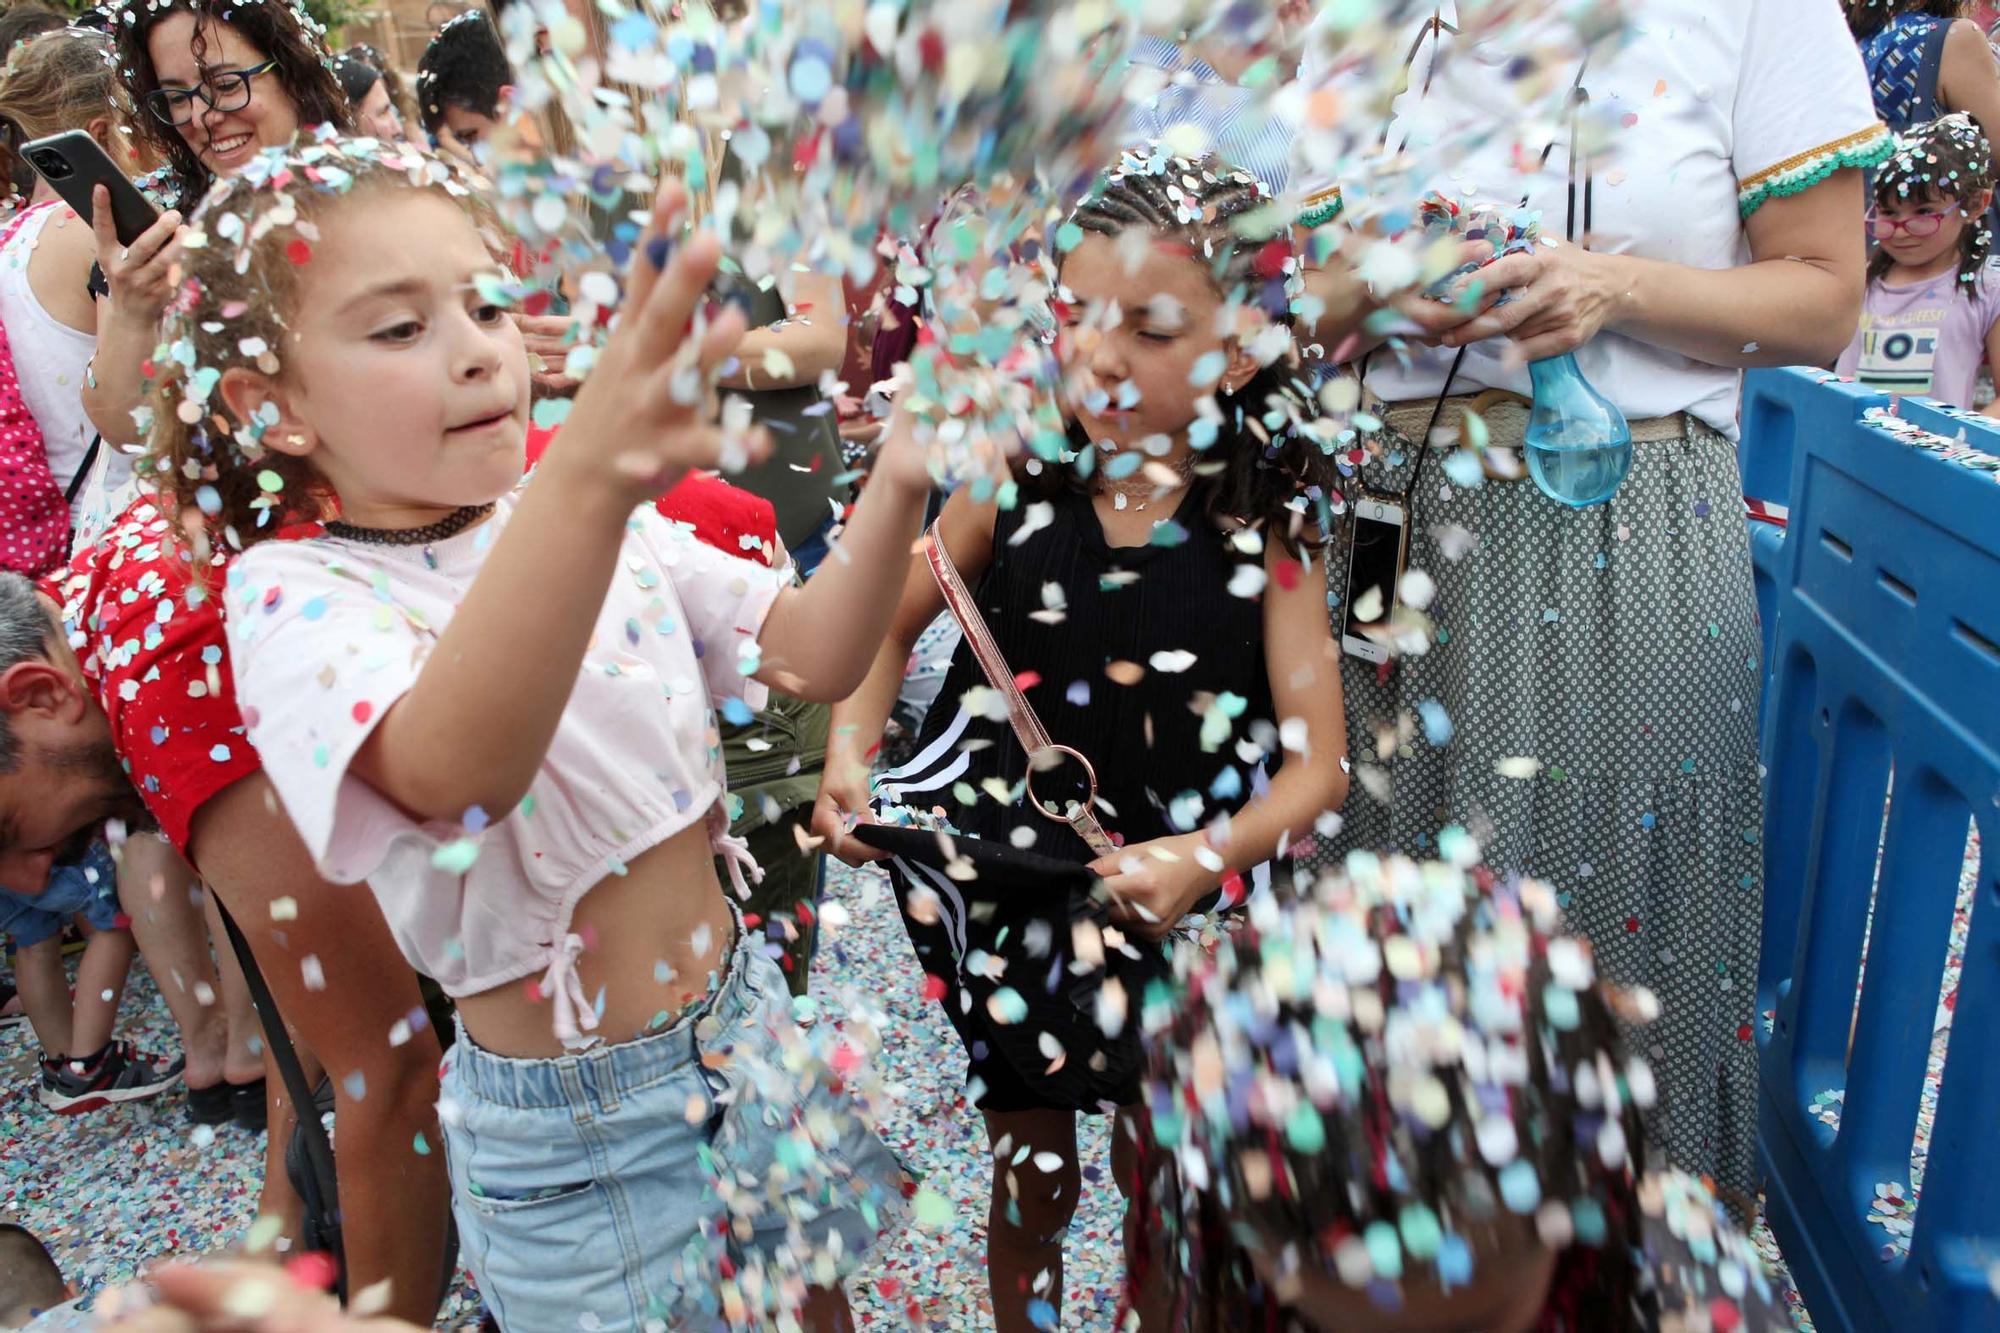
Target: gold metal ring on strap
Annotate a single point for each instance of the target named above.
(1042, 807)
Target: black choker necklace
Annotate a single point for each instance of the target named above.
(450, 525)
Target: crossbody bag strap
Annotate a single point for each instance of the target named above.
(319, 1148)
(1028, 728)
(83, 469)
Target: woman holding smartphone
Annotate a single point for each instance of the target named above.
(212, 88)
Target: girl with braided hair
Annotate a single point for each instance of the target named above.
(1932, 311)
(1398, 1101)
(1153, 581)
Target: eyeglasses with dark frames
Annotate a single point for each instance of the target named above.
(222, 90)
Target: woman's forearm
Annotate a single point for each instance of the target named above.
(116, 386)
(811, 342)
(1777, 312)
(805, 350)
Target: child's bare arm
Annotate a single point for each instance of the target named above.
(855, 729)
(1304, 667)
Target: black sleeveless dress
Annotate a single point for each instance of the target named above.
(1140, 658)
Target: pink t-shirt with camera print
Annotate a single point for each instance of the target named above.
(1925, 338)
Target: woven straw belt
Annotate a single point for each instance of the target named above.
(1505, 415)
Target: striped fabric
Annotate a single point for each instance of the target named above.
(1236, 120)
(1902, 69)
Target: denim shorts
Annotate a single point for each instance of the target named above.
(87, 885)
(697, 1178)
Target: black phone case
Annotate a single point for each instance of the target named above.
(88, 166)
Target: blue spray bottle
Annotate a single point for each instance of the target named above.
(1578, 445)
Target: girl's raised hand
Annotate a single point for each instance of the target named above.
(643, 418)
(900, 458)
(140, 275)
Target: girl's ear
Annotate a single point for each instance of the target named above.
(1242, 368)
(252, 396)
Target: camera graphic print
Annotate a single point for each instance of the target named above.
(1900, 356)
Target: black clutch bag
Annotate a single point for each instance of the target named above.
(1056, 986)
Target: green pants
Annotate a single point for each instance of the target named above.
(777, 780)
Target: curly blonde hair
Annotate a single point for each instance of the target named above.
(249, 244)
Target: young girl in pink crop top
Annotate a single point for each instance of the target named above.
(497, 703)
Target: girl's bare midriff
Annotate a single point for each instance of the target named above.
(655, 940)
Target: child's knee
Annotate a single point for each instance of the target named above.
(39, 956)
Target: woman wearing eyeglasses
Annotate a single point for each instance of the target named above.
(1932, 312)
(214, 86)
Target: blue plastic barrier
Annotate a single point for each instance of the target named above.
(1777, 410)
(1884, 616)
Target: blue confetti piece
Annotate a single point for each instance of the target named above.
(1041, 1314)
(314, 608)
(1454, 1262)
(1436, 721)
(1123, 463)
(1519, 1188)
(736, 712)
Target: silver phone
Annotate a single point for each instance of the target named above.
(1379, 545)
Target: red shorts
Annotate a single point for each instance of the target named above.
(151, 643)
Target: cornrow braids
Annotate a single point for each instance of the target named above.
(1270, 469)
(1383, 1076)
(1947, 160)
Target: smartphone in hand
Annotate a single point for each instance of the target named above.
(74, 165)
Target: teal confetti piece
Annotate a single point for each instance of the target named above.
(456, 857)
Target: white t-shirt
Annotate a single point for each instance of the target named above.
(1718, 105)
(50, 358)
(326, 634)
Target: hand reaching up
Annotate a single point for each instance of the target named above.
(642, 419)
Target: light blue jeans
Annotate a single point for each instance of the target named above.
(695, 1178)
